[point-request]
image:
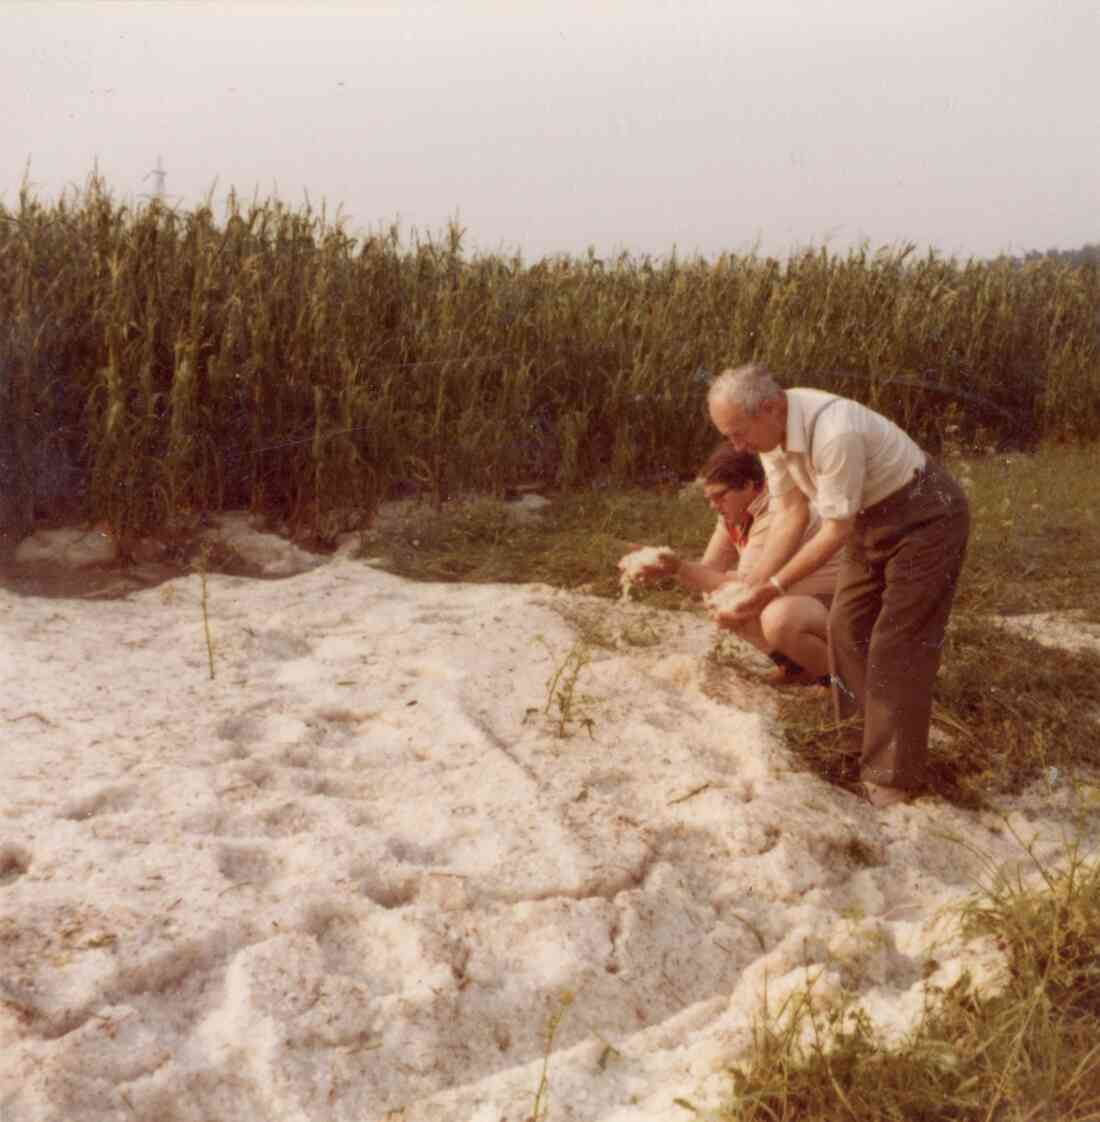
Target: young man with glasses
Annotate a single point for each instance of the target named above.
(791, 631)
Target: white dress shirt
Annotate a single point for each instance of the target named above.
(858, 457)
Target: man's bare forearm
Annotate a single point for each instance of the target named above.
(827, 542)
(784, 537)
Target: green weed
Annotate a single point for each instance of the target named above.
(564, 704)
(202, 564)
(540, 1108)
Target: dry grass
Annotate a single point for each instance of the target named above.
(574, 543)
(1035, 532)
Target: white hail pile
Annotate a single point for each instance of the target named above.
(727, 598)
(633, 565)
(356, 876)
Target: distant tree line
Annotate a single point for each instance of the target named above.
(1088, 254)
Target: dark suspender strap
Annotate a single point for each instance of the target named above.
(813, 427)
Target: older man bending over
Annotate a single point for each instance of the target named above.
(902, 523)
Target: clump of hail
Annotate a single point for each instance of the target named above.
(728, 597)
(634, 564)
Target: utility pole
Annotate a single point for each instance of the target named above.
(159, 176)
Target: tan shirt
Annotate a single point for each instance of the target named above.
(820, 582)
(857, 459)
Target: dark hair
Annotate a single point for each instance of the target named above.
(732, 467)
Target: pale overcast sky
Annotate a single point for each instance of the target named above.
(968, 125)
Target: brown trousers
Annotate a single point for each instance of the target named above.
(887, 623)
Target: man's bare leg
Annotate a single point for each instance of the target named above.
(798, 627)
(794, 626)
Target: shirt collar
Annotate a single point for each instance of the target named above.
(802, 406)
(796, 424)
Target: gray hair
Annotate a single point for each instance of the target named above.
(747, 387)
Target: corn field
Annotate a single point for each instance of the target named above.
(154, 360)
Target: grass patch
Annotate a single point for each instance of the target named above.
(575, 543)
(1015, 707)
(1007, 708)
(1035, 532)
(1027, 1047)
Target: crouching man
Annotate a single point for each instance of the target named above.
(792, 629)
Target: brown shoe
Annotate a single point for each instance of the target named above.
(783, 676)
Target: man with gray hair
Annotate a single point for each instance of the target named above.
(902, 523)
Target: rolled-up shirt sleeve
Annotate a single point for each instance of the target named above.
(840, 466)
